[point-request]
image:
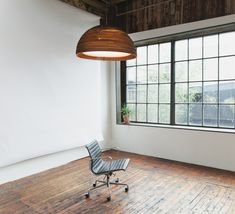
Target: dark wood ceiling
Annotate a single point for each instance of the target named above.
(98, 7)
(139, 15)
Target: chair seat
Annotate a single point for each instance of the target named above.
(103, 167)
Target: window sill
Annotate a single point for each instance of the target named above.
(191, 128)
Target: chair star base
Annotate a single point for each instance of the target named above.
(106, 182)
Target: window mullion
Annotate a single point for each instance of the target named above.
(203, 82)
(218, 86)
(147, 86)
(172, 104)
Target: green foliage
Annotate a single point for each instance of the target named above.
(125, 110)
(197, 97)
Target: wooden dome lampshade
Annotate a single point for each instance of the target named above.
(106, 43)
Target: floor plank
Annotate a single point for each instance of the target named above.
(156, 186)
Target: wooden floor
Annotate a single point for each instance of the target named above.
(156, 186)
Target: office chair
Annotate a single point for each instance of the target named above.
(100, 166)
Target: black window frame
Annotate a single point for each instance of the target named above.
(121, 74)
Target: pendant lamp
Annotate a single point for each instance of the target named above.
(106, 43)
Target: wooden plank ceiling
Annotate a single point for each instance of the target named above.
(139, 15)
(98, 7)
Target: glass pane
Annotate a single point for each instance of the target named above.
(195, 70)
(132, 111)
(131, 62)
(131, 75)
(164, 114)
(210, 46)
(226, 114)
(226, 66)
(141, 112)
(195, 92)
(164, 93)
(227, 92)
(152, 93)
(131, 93)
(164, 73)
(165, 52)
(152, 73)
(227, 43)
(181, 71)
(210, 69)
(210, 92)
(195, 114)
(152, 54)
(210, 115)
(152, 113)
(181, 50)
(181, 114)
(195, 48)
(141, 55)
(141, 93)
(141, 74)
(181, 92)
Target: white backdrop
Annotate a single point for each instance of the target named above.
(49, 99)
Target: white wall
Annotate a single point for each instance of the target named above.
(51, 101)
(191, 146)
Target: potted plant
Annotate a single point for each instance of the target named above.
(125, 114)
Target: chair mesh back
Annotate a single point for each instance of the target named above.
(99, 166)
(94, 150)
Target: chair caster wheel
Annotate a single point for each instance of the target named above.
(109, 198)
(126, 189)
(117, 180)
(87, 195)
(94, 185)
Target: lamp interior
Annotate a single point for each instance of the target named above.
(106, 54)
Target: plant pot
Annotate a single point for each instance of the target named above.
(126, 119)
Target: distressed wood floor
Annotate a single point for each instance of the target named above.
(156, 186)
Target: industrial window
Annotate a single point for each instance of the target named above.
(186, 82)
